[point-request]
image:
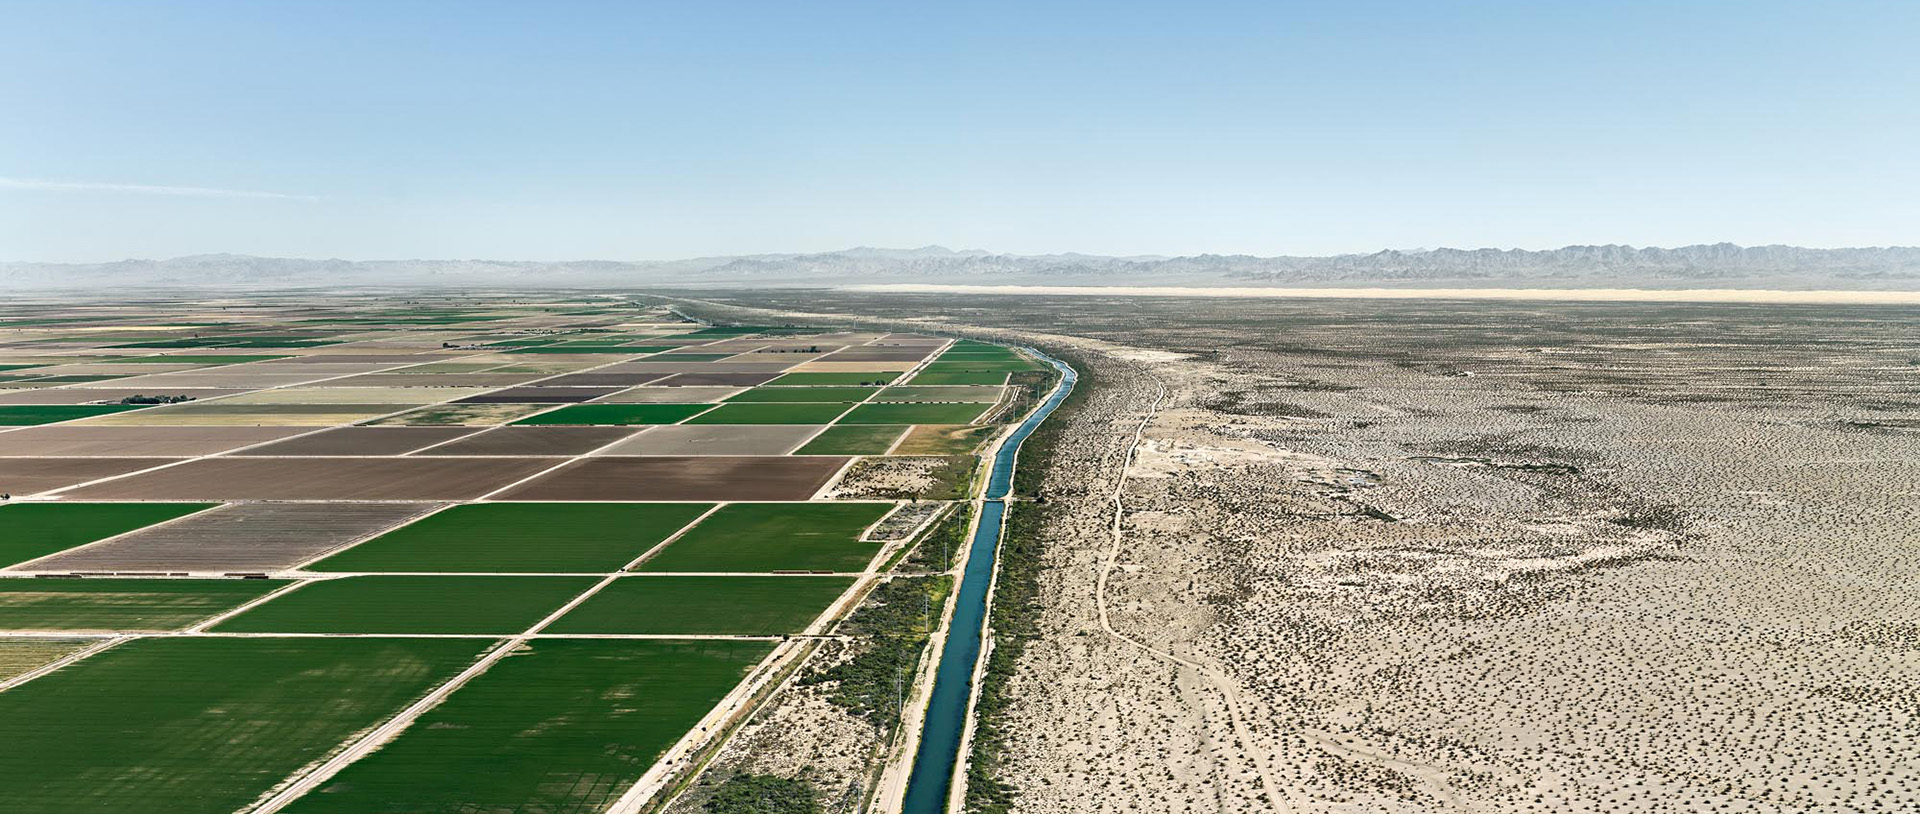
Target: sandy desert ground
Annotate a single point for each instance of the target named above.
(1353, 556)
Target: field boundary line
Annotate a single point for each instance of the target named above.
(676, 535)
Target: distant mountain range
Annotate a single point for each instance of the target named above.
(1719, 265)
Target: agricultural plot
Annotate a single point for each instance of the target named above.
(832, 379)
(565, 725)
(617, 414)
(521, 538)
(86, 441)
(762, 537)
(14, 415)
(690, 605)
(533, 440)
(121, 604)
(850, 439)
(800, 394)
(202, 725)
(802, 413)
(678, 478)
(914, 413)
(238, 538)
(361, 441)
(31, 530)
(717, 439)
(411, 604)
(23, 654)
(261, 530)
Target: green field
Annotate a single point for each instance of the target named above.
(411, 604)
(958, 377)
(817, 379)
(121, 604)
(744, 537)
(562, 726)
(202, 725)
(772, 414)
(914, 413)
(17, 415)
(681, 605)
(32, 530)
(966, 364)
(617, 414)
(871, 439)
(792, 394)
(985, 395)
(520, 537)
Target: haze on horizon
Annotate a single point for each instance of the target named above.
(652, 131)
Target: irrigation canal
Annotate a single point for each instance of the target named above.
(932, 779)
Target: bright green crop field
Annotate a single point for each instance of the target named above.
(563, 726)
(121, 604)
(943, 377)
(682, 605)
(617, 414)
(914, 413)
(853, 439)
(202, 725)
(520, 538)
(748, 537)
(33, 530)
(15, 415)
(410, 604)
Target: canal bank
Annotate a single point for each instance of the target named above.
(933, 784)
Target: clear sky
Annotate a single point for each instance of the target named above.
(636, 130)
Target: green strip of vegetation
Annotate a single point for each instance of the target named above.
(892, 627)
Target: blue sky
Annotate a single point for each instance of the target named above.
(631, 130)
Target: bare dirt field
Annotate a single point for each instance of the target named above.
(317, 479)
(75, 395)
(81, 441)
(717, 439)
(1428, 556)
(26, 476)
(566, 441)
(361, 441)
(734, 478)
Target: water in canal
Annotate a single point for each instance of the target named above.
(932, 778)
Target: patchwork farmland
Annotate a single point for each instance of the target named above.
(448, 553)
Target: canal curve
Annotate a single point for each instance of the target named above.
(931, 782)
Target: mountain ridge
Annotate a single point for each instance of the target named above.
(1596, 265)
